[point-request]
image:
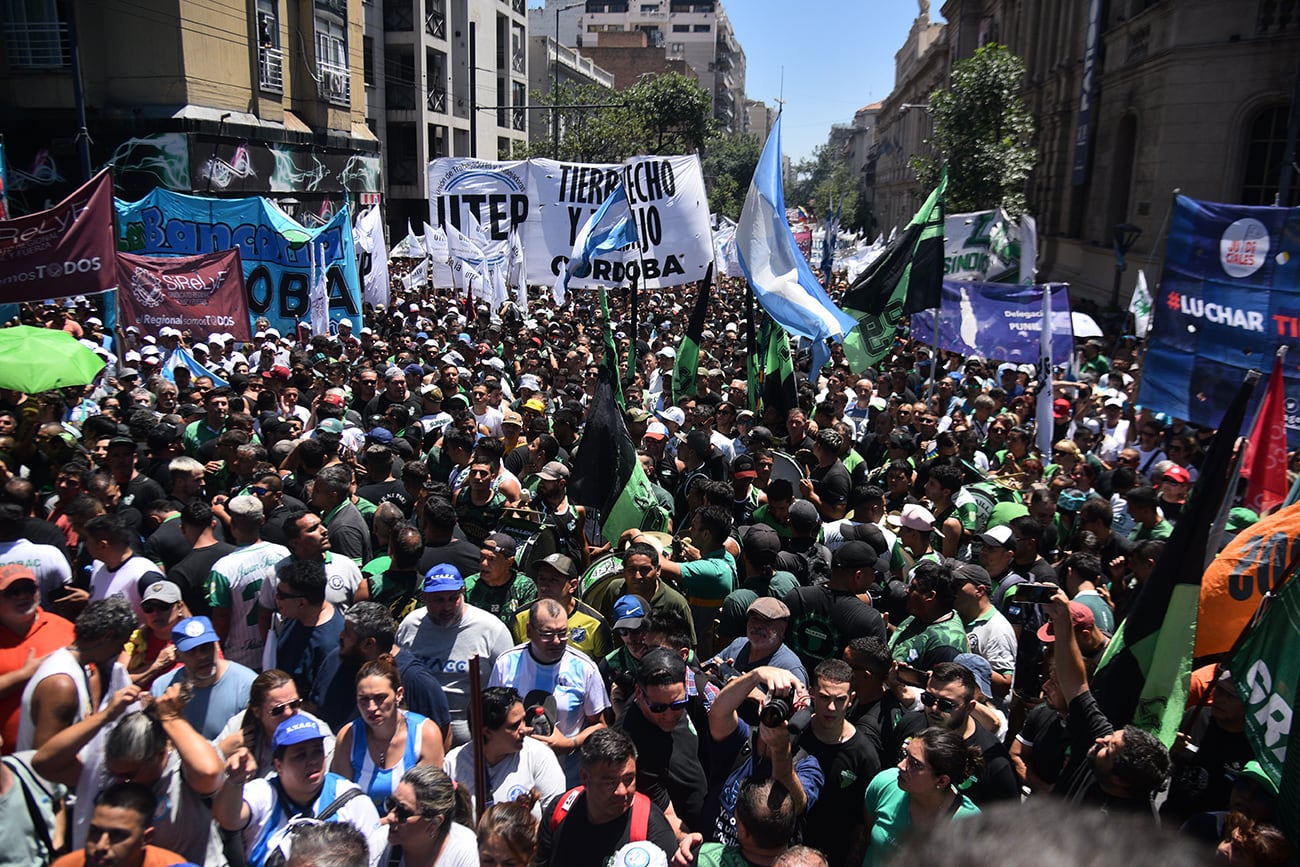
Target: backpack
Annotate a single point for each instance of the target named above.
(640, 813)
(279, 856)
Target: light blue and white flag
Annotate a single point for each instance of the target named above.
(782, 279)
(609, 229)
(1043, 412)
(180, 357)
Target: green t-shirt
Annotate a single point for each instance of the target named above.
(1160, 531)
(718, 855)
(708, 580)
(763, 515)
(890, 806)
(922, 645)
(377, 566)
(501, 601)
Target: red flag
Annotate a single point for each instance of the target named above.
(1265, 464)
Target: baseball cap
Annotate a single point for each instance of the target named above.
(854, 555)
(743, 467)
(636, 415)
(668, 352)
(630, 611)
(656, 430)
(1080, 615)
(431, 391)
(193, 632)
(553, 471)
(535, 405)
(1178, 475)
(975, 574)
(901, 439)
(916, 517)
(443, 578)
(162, 591)
(1061, 408)
(513, 418)
(560, 563)
(530, 382)
(673, 414)
(998, 537)
(868, 533)
(295, 730)
(761, 544)
(1255, 772)
(758, 437)
(502, 543)
(332, 398)
(980, 667)
(12, 572)
(1071, 500)
(329, 427)
(1091, 425)
(769, 608)
(803, 516)
(380, 435)
(1239, 518)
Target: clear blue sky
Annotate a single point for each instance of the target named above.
(838, 55)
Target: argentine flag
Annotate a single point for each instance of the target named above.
(609, 229)
(781, 277)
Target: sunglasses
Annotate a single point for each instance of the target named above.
(945, 705)
(655, 707)
(155, 607)
(400, 812)
(280, 709)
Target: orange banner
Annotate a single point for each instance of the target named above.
(1252, 564)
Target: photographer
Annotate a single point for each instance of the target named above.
(777, 695)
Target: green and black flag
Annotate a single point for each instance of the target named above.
(688, 354)
(609, 359)
(1144, 675)
(907, 278)
(607, 475)
(778, 391)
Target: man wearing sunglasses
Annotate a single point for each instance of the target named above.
(670, 768)
(220, 687)
(948, 702)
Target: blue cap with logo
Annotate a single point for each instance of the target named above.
(192, 632)
(443, 578)
(630, 612)
(295, 730)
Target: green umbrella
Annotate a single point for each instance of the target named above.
(33, 360)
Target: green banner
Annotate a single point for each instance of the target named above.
(1266, 669)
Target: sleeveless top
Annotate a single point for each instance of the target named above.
(379, 783)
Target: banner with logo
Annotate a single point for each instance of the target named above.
(549, 202)
(273, 249)
(67, 250)
(201, 294)
(1001, 321)
(983, 247)
(1228, 297)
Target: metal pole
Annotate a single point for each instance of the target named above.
(555, 90)
(78, 92)
(473, 91)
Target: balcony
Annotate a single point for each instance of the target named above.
(520, 7)
(437, 100)
(270, 69)
(334, 82)
(517, 61)
(436, 25)
(36, 45)
(517, 119)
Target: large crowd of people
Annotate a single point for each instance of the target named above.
(241, 614)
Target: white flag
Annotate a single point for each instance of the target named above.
(435, 246)
(1046, 422)
(1141, 306)
(1028, 249)
(419, 275)
(368, 235)
(517, 272)
(317, 297)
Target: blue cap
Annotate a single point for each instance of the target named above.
(443, 578)
(980, 667)
(629, 611)
(295, 730)
(413, 370)
(192, 632)
(380, 435)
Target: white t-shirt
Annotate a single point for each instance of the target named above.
(47, 562)
(342, 578)
(235, 583)
(268, 821)
(533, 767)
(491, 418)
(122, 581)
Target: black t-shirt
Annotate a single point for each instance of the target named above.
(273, 529)
(141, 492)
(387, 492)
(576, 842)
(191, 575)
(1078, 782)
(167, 545)
(824, 621)
(1045, 735)
(459, 553)
(668, 766)
(832, 484)
(837, 816)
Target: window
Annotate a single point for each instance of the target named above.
(700, 28)
(36, 34)
(1265, 145)
(270, 58)
(332, 71)
(368, 60)
(681, 28)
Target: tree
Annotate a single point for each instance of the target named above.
(667, 114)
(825, 179)
(729, 163)
(984, 132)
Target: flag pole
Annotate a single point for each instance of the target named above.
(934, 357)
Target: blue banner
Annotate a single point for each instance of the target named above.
(1228, 297)
(272, 245)
(1001, 321)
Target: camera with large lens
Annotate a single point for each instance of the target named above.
(778, 709)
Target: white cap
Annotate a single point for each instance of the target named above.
(94, 320)
(347, 322)
(366, 329)
(668, 352)
(673, 414)
(214, 337)
(149, 339)
(131, 356)
(203, 346)
(271, 332)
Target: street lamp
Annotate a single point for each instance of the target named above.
(1125, 236)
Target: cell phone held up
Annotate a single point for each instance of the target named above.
(1035, 594)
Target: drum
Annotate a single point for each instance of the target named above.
(786, 467)
(603, 570)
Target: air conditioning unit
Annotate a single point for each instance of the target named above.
(337, 83)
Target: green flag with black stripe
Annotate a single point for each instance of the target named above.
(687, 364)
(779, 390)
(906, 279)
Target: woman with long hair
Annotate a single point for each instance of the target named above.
(272, 699)
(920, 792)
(385, 740)
(428, 819)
